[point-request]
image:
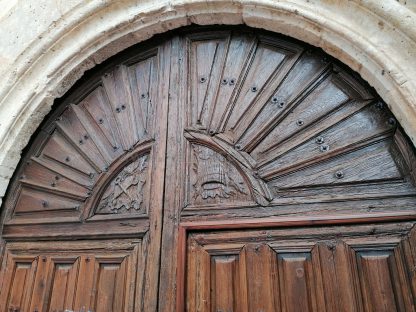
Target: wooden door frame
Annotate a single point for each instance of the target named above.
(252, 223)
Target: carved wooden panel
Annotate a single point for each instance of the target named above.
(365, 268)
(84, 142)
(69, 276)
(294, 119)
(127, 192)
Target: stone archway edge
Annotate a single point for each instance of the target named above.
(375, 38)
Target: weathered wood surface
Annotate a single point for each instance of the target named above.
(223, 128)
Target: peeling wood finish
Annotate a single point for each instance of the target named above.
(203, 167)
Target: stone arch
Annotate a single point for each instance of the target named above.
(365, 36)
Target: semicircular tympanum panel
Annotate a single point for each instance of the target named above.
(201, 126)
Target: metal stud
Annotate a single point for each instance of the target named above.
(81, 142)
(91, 175)
(232, 82)
(100, 121)
(67, 159)
(339, 174)
(118, 109)
(211, 132)
(319, 140)
(224, 81)
(44, 203)
(275, 100)
(300, 122)
(143, 95)
(201, 80)
(115, 148)
(86, 137)
(392, 121)
(123, 107)
(238, 147)
(324, 148)
(254, 89)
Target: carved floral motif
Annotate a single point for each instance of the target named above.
(215, 176)
(125, 192)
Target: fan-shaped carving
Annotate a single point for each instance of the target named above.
(86, 139)
(270, 121)
(298, 119)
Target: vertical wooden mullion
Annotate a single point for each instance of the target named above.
(174, 171)
(154, 236)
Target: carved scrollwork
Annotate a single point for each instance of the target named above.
(125, 193)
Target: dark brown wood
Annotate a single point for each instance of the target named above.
(214, 169)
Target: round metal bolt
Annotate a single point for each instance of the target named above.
(67, 159)
(123, 107)
(275, 100)
(324, 148)
(91, 175)
(202, 79)
(100, 121)
(319, 140)
(238, 147)
(211, 132)
(254, 89)
(143, 95)
(300, 122)
(339, 174)
(224, 81)
(232, 82)
(281, 104)
(118, 110)
(392, 121)
(115, 148)
(80, 142)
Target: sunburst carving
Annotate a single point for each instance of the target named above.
(297, 118)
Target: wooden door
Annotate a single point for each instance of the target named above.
(216, 169)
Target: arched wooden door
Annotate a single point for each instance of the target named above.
(220, 169)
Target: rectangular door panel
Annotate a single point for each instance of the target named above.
(300, 269)
(59, 276)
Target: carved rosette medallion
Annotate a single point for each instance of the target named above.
(125, 193)
(214, 177)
